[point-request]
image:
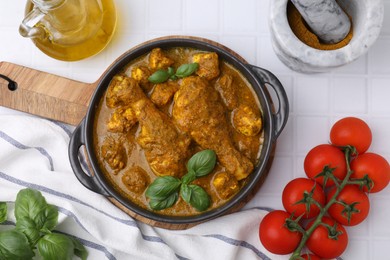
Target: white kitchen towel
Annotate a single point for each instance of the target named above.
(34, 154)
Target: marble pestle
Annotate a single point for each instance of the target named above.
(325, 18)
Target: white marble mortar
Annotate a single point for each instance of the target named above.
(367, 18)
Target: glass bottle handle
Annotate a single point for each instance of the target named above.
(28, 29)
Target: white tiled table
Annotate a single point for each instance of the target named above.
(359, 89)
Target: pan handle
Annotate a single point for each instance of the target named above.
(90, 182)
(280, 116)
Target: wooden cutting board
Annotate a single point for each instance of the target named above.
(45, 94)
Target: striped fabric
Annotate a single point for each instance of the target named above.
(33, 153)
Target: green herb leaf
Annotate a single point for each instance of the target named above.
(162, 187)
(29, 203)
(163, 191)
(202, 163)
(79, 249)
(157, 204)
(14, 245)
(47, 219)
(186, 70)
(171, 71)
(189, 177)
(3, 212)
(173, 77)
(29, 228)
(199, 199)
(185, 193)
(159, 76)
(56, 246)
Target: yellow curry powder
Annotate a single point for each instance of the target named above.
(303, 32)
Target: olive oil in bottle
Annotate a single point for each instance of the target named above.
(69, 30)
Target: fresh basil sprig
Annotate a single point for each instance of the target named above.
(183, 71)
(35, 221)
(163, 192)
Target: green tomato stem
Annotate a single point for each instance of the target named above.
(318, 221)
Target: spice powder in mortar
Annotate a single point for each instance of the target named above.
(303, 32)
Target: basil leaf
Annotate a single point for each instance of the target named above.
(162, 187)
(3, 212)
(159, 76)
(171, 71)
(173, 77)
(29, 228)
(186, 70)
(47, 219)
(157, 204)
(199, 198)
(189, 177)
(185, 193)
(56, 246)
(202, 163)
(29, 203)
(14, 245)
(79, 249)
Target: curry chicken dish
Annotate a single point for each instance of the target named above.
(145, 130)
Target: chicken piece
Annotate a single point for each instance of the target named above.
(247, 120)
(123, 91)
(248, 145)
(136, 179)
(199, 112)
(225, 184)
(227, 91)
(158, 60)
(166, 150)
(208, 65)
(122, 120)
(163, 93)
(114, 153)
(141, 75)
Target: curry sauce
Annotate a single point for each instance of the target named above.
(144, 130)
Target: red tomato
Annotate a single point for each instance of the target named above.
(294, 192)
(375, 166)
(349, 194)
(325, 155)
(275, 236)
(308, 256)
(351, 131)
(324, 246)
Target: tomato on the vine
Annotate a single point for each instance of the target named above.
(308, 256)
(275, 236)
(375, 167)
(327, 244)
(325, 157)
(298, 193)
(351, 131)
(352, 203)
